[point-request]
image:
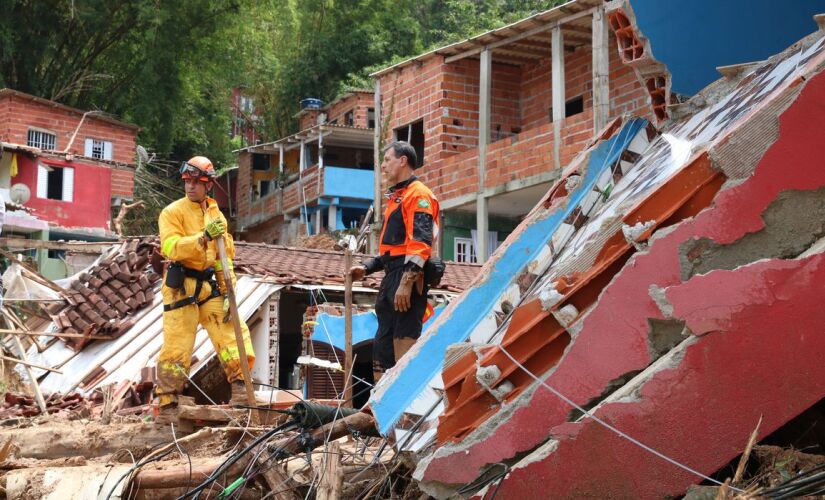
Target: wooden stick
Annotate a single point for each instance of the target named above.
(55, 334)
(333, 478)
(740, 469)
(32, 365)
(38, 396)
(236, 323)
(347, 328)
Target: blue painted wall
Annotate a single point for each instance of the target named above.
(348, 183)
(693, 37)
(364, 327)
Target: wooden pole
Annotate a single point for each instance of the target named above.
(236, 323)
(38, 396)
(348, 328)
(29, 365)
(55, 334)
(332, 478)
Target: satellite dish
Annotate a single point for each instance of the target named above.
(20, 193)
(142, 154)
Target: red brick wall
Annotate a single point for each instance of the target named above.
(267, 232)
(242, 195)
(446, 96)
(23, 113)
(308, 118)
(359, 103)
(123, 182)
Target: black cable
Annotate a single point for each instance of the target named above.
(133, 469)
(231, 460)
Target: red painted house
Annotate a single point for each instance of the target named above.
(77, 165)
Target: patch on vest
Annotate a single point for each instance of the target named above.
(423, 203)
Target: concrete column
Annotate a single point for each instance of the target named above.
(317, 225)
(601, 70)
(376, 159)
(484, 91)
(332, 217)
(281, 158)
(320, 149)
(302, 156)
(558, 92)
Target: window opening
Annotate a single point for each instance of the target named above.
(464, 250)
(414, 134)
(42, 140)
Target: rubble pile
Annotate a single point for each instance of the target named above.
(23, 405)
(102, 297)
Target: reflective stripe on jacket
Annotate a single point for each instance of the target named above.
(410, 222)
(181, 226)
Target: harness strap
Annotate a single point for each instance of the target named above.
(193, 299)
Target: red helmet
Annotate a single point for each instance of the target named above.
(198, 167)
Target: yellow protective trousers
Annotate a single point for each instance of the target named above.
(179, 328)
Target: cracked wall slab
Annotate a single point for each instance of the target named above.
(614, 339)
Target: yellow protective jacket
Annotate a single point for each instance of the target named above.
(181, 227)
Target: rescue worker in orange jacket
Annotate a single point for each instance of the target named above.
(406, 241)
(194, 290)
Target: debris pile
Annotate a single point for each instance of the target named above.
(17, 404)
(102, 297)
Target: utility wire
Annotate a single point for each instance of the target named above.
(588, 414)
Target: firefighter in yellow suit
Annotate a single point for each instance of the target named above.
(194, 291)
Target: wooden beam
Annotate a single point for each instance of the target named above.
(332, 477)
(558, 92)
(376, 167)
(520, 36)
(484, 100)
(601, 70)
(71, 246)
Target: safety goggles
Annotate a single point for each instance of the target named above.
(189, 171)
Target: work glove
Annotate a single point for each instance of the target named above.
(404, 291)
(357, 272)
(215, 228)
(226, 308)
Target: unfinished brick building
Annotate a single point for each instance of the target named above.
(496, 117)
(319, 179)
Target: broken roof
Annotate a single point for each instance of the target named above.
(288, 265)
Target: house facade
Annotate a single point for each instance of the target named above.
(72, 168)
(497, 117)
(318, 180)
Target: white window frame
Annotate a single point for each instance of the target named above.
(464, 250)
(98, 149)
(43, 182)
(40, 139)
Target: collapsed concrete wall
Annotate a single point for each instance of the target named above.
(664, 306)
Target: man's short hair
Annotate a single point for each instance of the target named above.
(404, 148)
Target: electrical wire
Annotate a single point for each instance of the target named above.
(188, 458)
(234, 458)
(588, 414)
(133, 469)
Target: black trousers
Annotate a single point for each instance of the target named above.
(394, 324)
